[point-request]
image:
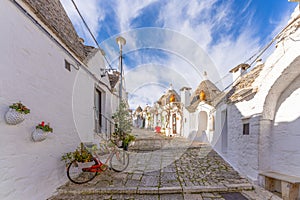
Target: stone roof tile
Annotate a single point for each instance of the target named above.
(165, 98)
(244, 89)
(113, 79)
(210, 90)
(53, 15)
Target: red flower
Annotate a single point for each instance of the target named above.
(43, 123)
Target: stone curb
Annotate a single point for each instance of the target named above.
(163, 190)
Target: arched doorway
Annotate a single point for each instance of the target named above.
(285, 136)
(279, 127)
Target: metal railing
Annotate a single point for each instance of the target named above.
(108, 125)
(103, 124)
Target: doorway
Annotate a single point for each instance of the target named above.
(174, 123)
(98, 110)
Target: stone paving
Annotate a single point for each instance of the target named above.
(168, 168)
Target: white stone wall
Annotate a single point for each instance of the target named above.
(219, 126)
(84, 99)
(33, 71)
(249, 154)
(285, 134)
(193, 123)
(242, 149)
(185, 123)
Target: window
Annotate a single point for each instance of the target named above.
(246, 129)
(67, 65)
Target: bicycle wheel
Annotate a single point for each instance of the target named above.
(79, 176)
(119, 160)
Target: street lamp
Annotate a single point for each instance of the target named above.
(121, 42)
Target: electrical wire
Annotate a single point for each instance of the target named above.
(78, 62)
(89, 30)
(259, 53)
(262, 51)
(272, 41)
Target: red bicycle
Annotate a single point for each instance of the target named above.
(117, 160)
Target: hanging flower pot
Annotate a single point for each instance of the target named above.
(39, 135)
(41, 131)
(13, 117)
(16, 113)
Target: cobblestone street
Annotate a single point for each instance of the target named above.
(168, 168)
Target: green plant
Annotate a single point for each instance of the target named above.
(123, 120)
(19, 107)
(45, 128)
(81, 154)
(115, 138)
(127, 139)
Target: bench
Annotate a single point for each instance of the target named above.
(289, 184)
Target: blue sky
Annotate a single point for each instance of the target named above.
(175, 41)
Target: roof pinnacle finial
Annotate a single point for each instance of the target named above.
(205, 77)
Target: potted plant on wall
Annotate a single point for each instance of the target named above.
(16, 113)
(41, 131)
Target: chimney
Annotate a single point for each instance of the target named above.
(258, 62)
(239, 70)
(81, 40)
(185, 94)
(205, 77)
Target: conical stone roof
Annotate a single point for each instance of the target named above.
(139, 109)
(165, 99)
(210, 90)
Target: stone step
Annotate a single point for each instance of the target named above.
(156, 190)
(190, 196)
(143, 144)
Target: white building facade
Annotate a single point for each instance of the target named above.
(255, 125)
(57, 78)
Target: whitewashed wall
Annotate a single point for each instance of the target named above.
(242, 150)
(285, 134)
(84, 98)
(193, 125)
(185, 124)
(33, 71)
(282, 70)
(218, 138)
(255, 152)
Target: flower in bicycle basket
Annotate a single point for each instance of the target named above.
(45, 128)
(19, 107)
(81, 154)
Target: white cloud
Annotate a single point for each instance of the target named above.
(197, 22)
(246, 6)
(147, 83)
(128, 10)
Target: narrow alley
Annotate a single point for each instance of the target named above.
(167, 168)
